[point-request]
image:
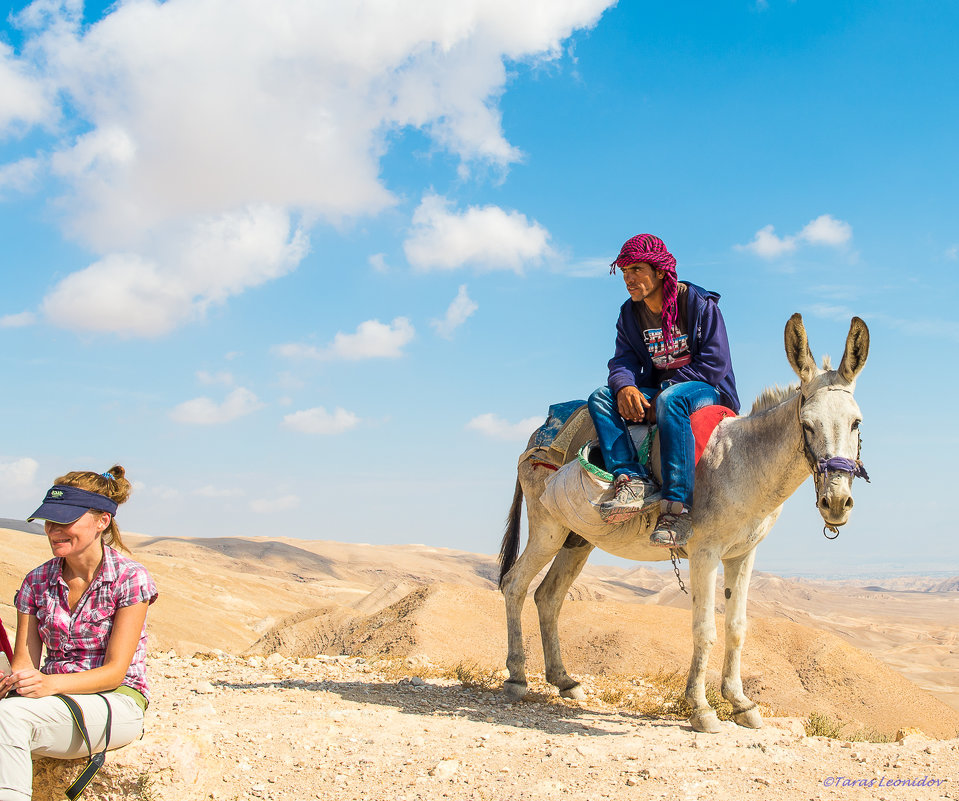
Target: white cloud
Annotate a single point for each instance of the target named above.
(593, 267)
(297, 350)
(825, 231)
(17, 479)
(487, 237)
(18, 175)
(205, 411)
(286, 379)
(222, 377)
(269, 505)
(832, 311)
(209, 491)
(217, 258)
(372, 340)
(319, 421)
(769, 246)
(163, 492)
(198, 110)
(18, 320)
(24, 97)
(495, 427)
(459, 312)
(952, 253)
(378, 263)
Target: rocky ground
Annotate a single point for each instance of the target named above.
(343, 729)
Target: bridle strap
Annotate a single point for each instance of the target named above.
(820, 468)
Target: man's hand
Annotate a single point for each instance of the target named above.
(633, 406)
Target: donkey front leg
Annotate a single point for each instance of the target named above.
(702, 578)
(544, 541)
(549, 597)
(736, 573)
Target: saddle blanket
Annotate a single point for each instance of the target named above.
(565, 421)
(575, 490)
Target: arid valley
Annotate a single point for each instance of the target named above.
(290, 669)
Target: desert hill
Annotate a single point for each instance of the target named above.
(786, 666)
(307, 597)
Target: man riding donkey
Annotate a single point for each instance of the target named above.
(672, 359)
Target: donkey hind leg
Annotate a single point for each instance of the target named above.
(702, 575)
(545, 539)
(736, 573)
(549, 597)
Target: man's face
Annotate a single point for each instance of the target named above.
(642, 280)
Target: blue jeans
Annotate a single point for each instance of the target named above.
(677, 446)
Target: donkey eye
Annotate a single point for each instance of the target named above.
(855, 425)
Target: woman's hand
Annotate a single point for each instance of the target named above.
(31, 683)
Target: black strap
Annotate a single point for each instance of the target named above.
(95, 760)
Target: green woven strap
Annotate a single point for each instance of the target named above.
(589, 467)
(646, 449)
(643, 456)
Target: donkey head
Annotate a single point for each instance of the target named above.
(829, 417)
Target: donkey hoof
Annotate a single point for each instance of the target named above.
(514, 690)
(705, 720)
(750, 718)
(576, 692)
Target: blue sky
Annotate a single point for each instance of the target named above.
(314, 270)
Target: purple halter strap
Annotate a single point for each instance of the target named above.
(839, 464)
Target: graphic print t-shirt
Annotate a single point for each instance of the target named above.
(665, 364)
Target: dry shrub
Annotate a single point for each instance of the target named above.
(145, 789)
(659, 695)
(820, 725)
(396, 669)
(474, 676)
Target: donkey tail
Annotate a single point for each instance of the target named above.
(509, 549)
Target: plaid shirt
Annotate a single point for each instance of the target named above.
(77, 640)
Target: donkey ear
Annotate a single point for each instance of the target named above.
(797, 349)
(857, 349)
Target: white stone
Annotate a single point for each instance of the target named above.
(445, 768)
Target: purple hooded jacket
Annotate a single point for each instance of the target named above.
(632, 365)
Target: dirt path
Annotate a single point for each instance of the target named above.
(334, 728)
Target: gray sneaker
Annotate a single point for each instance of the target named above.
(674, 526)
(633, 495)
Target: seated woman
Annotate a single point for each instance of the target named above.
(88, 607)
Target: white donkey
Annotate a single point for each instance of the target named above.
(751, 465)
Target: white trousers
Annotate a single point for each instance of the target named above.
(44, 727)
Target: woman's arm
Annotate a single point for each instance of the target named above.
(26, 651)
(122, 645)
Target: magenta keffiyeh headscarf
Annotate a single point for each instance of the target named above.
(652, 250)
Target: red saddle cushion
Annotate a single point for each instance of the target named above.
(704, 422)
